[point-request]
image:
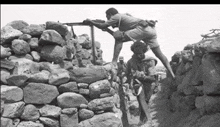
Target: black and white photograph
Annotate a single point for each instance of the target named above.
(110, 65)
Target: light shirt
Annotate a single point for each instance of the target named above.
(123, 21)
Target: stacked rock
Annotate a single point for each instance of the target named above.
(197, 84)
(48, 79)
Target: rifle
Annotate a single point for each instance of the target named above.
(106, 29)
(87, 24)
(92, 31)
(73, 24)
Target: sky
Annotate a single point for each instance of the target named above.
(178, 24)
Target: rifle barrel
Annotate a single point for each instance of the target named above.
(75, 24)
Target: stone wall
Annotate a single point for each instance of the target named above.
(193, 98)
(48, 79)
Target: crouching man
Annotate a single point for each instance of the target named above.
(137, 72)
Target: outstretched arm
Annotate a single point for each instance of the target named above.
(98, 24)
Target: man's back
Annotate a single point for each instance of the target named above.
(125, 21)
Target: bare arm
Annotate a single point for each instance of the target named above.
(142, 76)
(99, 25)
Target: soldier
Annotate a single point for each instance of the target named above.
(121, 65)
(132, 29)
(139, 81)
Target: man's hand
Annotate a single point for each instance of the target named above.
(138, 74)
(152, 22)
(87, 22)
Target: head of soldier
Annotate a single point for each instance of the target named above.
(149, 61)
(139, 49)
(110, 12)
(121, 59)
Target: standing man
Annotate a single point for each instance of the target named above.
(122, 91)
(121, 72)
(121, 66)
(139, 82)
(132, 29)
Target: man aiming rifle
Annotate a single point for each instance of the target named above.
(132, 29)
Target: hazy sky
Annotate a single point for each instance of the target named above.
(178, 24)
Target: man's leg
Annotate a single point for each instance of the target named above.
(158, 53)
(144, 107)
(117, 49)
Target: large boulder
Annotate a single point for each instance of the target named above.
(25, 66)
(53, 53)
(102, 120)
(50, 111)
(35, 55)
(85, 114)
(4, 75)
(7, 64)
(8, 34)
(30, 113)
(59, 27)
(11, 93)
(59, 76)
(17, 80)
(39, 93)
(5, 52)
(34, 43)
(8, 122)
(70, 100)
(30, 124)
(13, 110)
(69, 117)
(51, 37)
(88, 74)
(50, 122)
(18, 24)
(20, 47)
(101, 104)
(25, 37)
(84, 38)
(68, 87)
(34, 30)
(40, 77)
(99, 87)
